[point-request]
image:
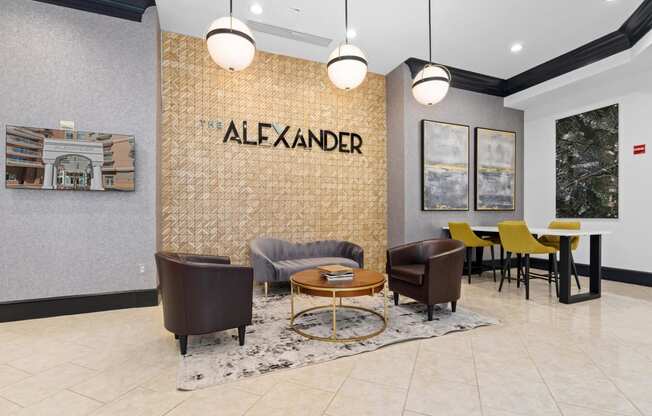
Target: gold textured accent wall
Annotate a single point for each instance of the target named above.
(216, 197)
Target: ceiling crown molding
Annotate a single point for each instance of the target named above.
(639, 23)
(585, 55)
(463, 79)
(123, 9)
(637, 26)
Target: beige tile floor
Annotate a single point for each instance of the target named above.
(543, 359)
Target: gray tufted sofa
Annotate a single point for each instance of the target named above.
(276, 260)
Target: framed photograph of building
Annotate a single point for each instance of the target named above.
(587, 164)
(38, 158)
(495, 170)
(445, 166)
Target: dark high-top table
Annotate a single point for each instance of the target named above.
(595, 266)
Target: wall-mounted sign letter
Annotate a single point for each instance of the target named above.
(313, 138)
(328, 134)
(344, 143)
(299, 140)
(232, 133)
(261, 136)
(356, 143)
(244, 135)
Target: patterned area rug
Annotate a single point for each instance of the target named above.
(271, 345)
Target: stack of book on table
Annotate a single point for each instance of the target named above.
(336, 273)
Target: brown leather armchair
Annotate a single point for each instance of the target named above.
(428, 271)
(203, 294)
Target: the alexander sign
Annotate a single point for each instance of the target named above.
(277, 135)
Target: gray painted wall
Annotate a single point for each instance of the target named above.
(103, 73)
(396, 128)
(406, 221)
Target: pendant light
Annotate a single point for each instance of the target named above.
(347, 64)
(431, 84)
(230, 42)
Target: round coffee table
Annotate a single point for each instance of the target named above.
(364, 283)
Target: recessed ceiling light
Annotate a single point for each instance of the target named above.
(351, 33)
(516, 48)
(256, 8)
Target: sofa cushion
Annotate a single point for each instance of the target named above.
(286, 268)
(410, 273)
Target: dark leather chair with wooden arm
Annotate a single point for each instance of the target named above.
(428, 271)
(203, 294)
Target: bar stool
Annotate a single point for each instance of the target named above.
(462, 231)
(517, 239)
(553, 241)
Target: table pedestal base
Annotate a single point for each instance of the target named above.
(333, 337)
(334, 306)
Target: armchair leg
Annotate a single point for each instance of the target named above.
(241, 334)
(431, 308)
(396, 298)
(266, 287)
(453, 305)
(183, 344)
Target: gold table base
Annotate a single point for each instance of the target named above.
(334, 307)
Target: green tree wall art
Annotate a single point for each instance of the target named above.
(587, 164)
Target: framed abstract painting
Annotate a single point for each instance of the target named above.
(445, 166)
(495, 170)
(587, 164)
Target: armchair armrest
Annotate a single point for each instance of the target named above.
(201, 274)
(443, 275)
(263, 267)
(438, 258)
(352, 251)
(200, 258)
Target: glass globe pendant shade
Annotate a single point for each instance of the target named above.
(347, 66)
(431, 84)
(230, 43)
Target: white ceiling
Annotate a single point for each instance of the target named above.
(470, 34)
(616, 76)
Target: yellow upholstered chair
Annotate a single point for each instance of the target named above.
(462, 231)
(553, 241)
(517, 239)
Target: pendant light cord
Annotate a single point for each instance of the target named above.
(231, 13)
(346, 21)
(429, 32)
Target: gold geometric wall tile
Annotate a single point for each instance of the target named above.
(216, 197)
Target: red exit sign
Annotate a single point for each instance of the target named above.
(639, 149)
